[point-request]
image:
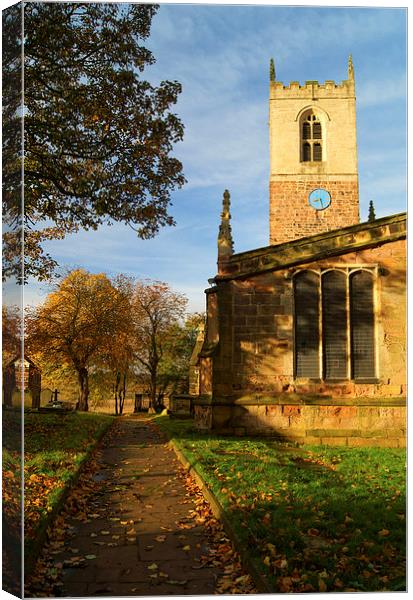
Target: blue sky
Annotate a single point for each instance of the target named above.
(221, 54)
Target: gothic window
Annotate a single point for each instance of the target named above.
(306, 130)
(311, 130)
(334, 325)
(317, 130)
(306, 152)
(307, 334)
(317, 154)
(362, 325)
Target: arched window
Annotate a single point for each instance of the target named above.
(316, 130)
(307, 333)
(334, 325)
(362, 325)
(306, 152)
(317, 152)
(311, 130)
(334, 293)
(306, 130)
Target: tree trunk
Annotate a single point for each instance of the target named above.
(83, 378)
(138, 403)
(122, 394)
(115, 391)
(152, 393)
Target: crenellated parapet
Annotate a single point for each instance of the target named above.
(312, 88)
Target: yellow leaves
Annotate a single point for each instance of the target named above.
(285, 584)
(267, 561)
(281, 564)
(8, 474)
(384, 532)
(186, 548)
(272, 549)
(160, 538)
(152, 567)
(266, 520)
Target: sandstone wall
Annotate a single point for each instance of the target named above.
(291, 215)
(255, 351)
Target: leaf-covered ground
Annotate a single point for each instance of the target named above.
(55, 446)
(315, 519)
(136, 524)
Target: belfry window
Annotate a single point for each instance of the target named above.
(334, 325)
(311, 130)
(306, 152)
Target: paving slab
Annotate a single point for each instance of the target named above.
(138, 535)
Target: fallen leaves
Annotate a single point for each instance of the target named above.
(384, 532)
(219, 552)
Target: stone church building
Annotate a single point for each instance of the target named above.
(306, 338)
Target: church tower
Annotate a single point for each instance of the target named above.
(313, 157)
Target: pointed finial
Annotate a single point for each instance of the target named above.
(372, 214)
(272, 70)
(350, 68)
(225, 242)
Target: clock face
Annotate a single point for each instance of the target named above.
(319, 199)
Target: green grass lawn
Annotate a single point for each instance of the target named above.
(55, 446)
(313, 518)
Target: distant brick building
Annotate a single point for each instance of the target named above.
(306, 338)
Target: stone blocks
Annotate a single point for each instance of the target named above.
(337, 425)
(291, 216)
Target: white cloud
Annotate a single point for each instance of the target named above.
(373, 93)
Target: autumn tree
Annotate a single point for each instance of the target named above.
(117, 353)
(179, 344)
(156, 309)
(11, 332)
(74, 323)
(97, 136)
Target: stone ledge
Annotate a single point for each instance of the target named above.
(314, 247)
(354, 433)
(299, 400)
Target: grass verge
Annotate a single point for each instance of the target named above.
(313, 519)
(55, 448)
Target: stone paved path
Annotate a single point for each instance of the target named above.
(140, 537)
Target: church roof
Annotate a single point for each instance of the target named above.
(314, 247)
